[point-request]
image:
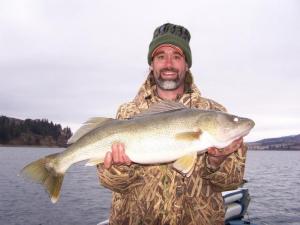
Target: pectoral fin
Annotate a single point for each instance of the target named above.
(94, 162)
(186, 163)
(188, 136)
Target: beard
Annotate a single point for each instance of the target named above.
(167, 84)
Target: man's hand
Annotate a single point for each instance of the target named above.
(117, 156)
(217, 156)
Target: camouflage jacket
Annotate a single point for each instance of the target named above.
(157, 194)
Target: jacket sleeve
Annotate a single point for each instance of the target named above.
(229, 175)
(120, 178)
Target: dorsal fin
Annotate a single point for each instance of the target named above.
(88, 126)
(164, 106)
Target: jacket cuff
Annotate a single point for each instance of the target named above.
(210, 168)
(119, 179)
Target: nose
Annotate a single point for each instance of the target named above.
(168, 62)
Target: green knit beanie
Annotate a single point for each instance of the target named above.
(171, 34)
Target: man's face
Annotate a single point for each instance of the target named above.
(169, 68)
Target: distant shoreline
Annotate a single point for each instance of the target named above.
(44, 146)
(32, 132)
(277, 150)
(31, 146)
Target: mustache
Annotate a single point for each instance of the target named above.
(168, 69)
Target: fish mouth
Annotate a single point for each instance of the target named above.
(248, 125)
(245, 132)
(240, 132)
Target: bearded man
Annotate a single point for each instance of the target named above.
(157, 194)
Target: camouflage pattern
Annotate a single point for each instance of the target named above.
(157, 194)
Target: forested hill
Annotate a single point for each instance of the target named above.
(291, 142)
(38, 132)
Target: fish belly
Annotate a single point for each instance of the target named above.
(159, 150)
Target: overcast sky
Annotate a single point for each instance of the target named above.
(68, 61)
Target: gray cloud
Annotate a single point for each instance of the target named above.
(68, 61)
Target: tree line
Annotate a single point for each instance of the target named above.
(32, 131)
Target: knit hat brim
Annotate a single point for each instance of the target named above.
(173, 40)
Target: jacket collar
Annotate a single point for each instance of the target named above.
(147, 93)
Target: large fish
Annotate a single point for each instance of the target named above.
(167, 132)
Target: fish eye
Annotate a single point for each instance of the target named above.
(236, 119)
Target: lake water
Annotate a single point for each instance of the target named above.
(273, 182)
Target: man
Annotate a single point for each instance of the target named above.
(157, 194)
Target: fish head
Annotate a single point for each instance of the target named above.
(223, 128)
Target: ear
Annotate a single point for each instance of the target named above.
(186, 67)
(151, 66)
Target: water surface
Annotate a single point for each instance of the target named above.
(273, 182)
(82, 200)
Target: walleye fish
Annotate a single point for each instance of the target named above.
(167, 132)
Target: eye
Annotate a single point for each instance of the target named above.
(177, 57)
(160, 57)
(235, 119)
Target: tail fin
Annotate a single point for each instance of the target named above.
(41, 171)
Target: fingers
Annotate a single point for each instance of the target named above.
(115, 149)
(234, 146)
(107, 160)
(127, 160)
(216, 152)
(118, 153)
(116, 156)
(237, 143)
(212, 151)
